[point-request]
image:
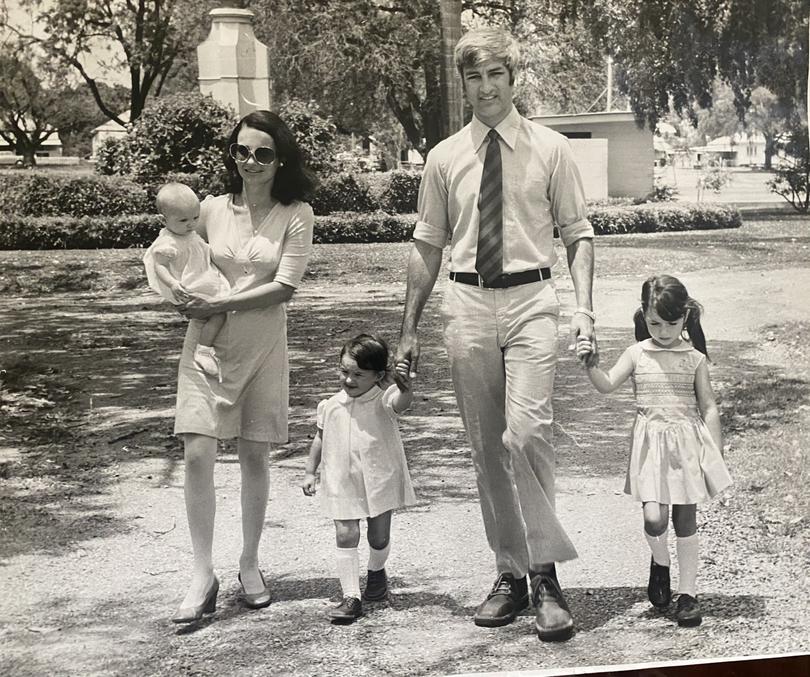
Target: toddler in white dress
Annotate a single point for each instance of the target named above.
(364, 473)
(178, 263)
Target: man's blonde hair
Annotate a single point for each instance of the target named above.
(175, 195)
(485, 44)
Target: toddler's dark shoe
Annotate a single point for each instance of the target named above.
(688, 612)
(376, 586)
(509, 596)
(658, 590)
(553, 620)
(348, 611)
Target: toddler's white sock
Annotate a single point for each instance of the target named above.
(658, 546)
(348, 570)
(377, 558)
(687, 550)
(206, 359)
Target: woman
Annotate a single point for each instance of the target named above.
(260, 236)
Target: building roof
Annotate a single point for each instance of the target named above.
(585, 118)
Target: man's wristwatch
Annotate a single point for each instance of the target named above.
(585, 311)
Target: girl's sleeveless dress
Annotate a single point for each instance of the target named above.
(363, 468)
(189, 261)
(673, 459)
(252, 400)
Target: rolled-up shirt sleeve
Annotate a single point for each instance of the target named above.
(432, 225)
(297, 247)
(568, 207)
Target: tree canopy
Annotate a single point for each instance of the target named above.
(670, 52)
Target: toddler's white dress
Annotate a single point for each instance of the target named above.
(673, 459)
(363, 468)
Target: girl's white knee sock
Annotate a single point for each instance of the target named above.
(658, 546)
(348, 570)
(687, 549)
(377, 558)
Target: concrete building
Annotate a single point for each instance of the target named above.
(615, 157)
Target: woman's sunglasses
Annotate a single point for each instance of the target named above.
(263, 155)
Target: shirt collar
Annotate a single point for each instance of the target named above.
(507, 129)
(367, 396)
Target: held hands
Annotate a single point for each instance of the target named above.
(582, 331)
(403, 375)
(585, 351)
(308, 485)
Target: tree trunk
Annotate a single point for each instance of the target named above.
(452, 98)
(770, 150)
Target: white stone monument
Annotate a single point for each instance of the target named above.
(234, 66)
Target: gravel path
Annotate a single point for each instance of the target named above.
(99, 555)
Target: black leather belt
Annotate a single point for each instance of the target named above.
(503, 281)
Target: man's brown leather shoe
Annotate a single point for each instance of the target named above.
(508, 598)
(553, 620)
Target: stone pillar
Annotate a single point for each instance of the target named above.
(234, 67)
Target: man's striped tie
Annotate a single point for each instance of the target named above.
(489, 259)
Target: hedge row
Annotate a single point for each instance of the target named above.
(102, 232)
(44, 194)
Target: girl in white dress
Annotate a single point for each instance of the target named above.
(676, 456)
(178, 264)
(364, 473)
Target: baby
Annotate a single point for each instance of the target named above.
(178, 265)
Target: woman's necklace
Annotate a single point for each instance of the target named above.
(258, 209)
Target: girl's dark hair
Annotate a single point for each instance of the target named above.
(293, 180)
(368, 351)
(667, 296)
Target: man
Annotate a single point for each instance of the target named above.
(495, 197)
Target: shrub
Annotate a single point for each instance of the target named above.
(184, 132)
(662, 217)
(45, 194)
(342, 193)
(314, 133)
(401, 192)
(357, 227)
(70, 232)
(792, 178)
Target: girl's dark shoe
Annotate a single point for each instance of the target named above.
(255, 600)
(195, 613)
(509, 596)
(658, 590)
(376, 586)
(348, 611)
(688, 613)
(553, 620)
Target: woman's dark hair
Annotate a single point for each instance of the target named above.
(368, 351)
(293, 180)
(667, 296)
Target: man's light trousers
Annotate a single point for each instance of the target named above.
(502, 345)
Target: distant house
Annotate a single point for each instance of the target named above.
(615, 157)
(733, 151)
(108, 130)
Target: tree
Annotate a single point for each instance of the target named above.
(670, 51)
(27, 107)
(366, 60)
(140, 37)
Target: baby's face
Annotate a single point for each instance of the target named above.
(181, 219)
